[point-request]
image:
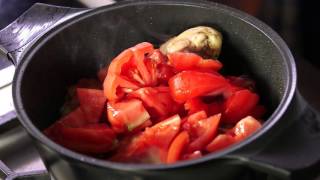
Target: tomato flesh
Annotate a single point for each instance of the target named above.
(191, 84)
(240, 105)
(126, 115)
(245, 127)
(92, 103)
(202, 132)
(220, 142)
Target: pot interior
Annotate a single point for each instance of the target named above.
(80, 49)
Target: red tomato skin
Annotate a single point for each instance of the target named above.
(88, 140)
(184, 61)
(190, 84)
(177, 147)
(210, 64)
(191, 61)
(239, 105)
(220, 142)
(92, 103)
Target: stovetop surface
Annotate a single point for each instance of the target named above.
(22, 160)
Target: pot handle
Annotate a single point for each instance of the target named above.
(31, 25)
(294, 152)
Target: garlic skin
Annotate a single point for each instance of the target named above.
(203, 40)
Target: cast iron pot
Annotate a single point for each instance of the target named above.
(53, 47)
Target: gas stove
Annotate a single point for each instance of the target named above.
(20, 160)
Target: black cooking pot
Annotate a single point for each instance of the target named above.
(53, 47)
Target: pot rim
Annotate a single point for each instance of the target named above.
(252, 21)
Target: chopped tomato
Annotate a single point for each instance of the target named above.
(150, 146)
(193, 119)
(184, 61)
(239, 105)
(211, 64)
(139, 52)
(92, 102)
(191, 61)
(117, 74)
(126, 115)
(202, 132)
(76, 118)
(89, 140)
(191, 84)
(177, 147)
(129, 71)
(245, 127)
(157, 100)
(157, 108)
(220, 142)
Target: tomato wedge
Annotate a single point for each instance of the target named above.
(191, 84)
(220, 142)
(126, 115)
(245, 127)
(92, 103)
(112, 80)
(202, 131)
(177, 146)
(75, 118)
(89, 140)
(191, 61)
(150, 146)
(239, 105)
